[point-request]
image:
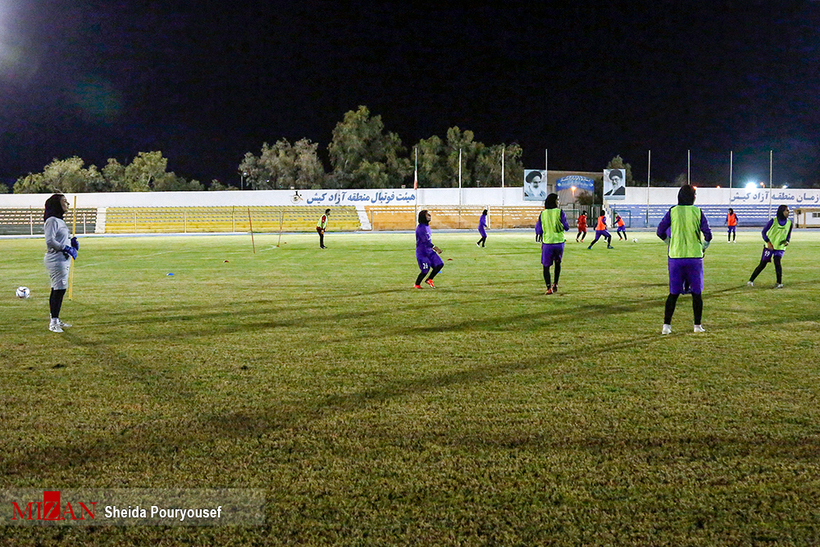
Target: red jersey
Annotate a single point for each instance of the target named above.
(582, 222)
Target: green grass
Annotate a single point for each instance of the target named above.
(479, 413)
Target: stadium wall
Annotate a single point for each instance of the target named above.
(641, 207)
(752, 207)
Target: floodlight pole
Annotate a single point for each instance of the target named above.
(547, 169)
(503, 152)
(648, 178)
(770, 184)
(689, 167)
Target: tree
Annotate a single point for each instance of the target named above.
(310, 173)
(481, 165)
(618, 163)
(362, 155)
(170, 182)
(487, 170)
(433, 169)
(114, 175)
(284, 166)
(144, 170)
(460, 145)
(217, 186)
(277, 166)
(250, 168)
(68, 175)
(33, 183)
(513, 166)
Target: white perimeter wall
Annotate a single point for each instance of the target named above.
(424, 196)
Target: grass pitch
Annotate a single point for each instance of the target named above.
(481, 412)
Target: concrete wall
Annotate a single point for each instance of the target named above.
(641, 207)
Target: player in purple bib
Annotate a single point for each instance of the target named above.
(482, 229)
(427, 254)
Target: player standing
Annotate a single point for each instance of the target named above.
(685, 229)
(321, 227)
(58, 250)
(731, 222)
(426, 252)
(777, 236)
(549, 230)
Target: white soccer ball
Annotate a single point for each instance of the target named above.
(23, 292)
(635, 240)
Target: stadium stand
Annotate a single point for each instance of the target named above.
(383, 217)
(29, 221)
(130, 220)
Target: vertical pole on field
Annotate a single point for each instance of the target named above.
(771, 190)
(648, 179)
(281, 222)
(731, 165)
(250, 223)
(31, 220)
(71, 265)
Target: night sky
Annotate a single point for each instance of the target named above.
(204, 82)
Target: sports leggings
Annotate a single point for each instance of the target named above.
(547, 273)
(672, 300)
(55, 302)
(778, 269)
(436, 270)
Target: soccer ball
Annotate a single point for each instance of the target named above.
(23, 292)
(635, 240)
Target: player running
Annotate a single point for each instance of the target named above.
(482, 229)
(426, 252)
(582, 227)
(777, 236)
(600, 230)
(549, 230)
(685, 229)
(619, 222)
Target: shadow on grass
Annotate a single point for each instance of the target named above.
(187, 430)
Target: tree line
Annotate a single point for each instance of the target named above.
(361, 153)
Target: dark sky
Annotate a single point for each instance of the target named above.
(204, 82)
